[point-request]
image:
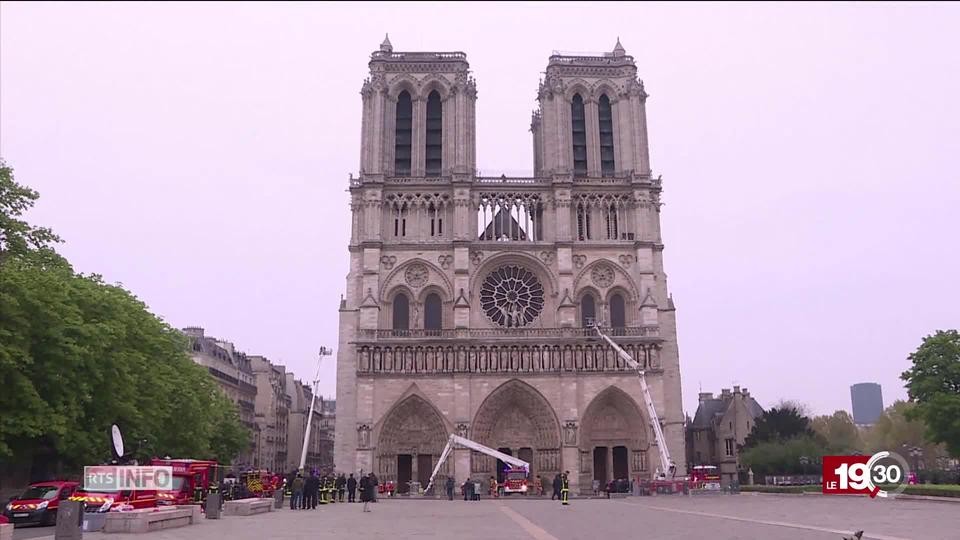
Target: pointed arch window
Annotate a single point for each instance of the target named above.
(618, 312)
(588, 310)
(579, 123)
(403, 135)
(605, 113)
(401, 312)
(434, 161)
(433, 312)
(583, 221)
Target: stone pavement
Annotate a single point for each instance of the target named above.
(747, 516)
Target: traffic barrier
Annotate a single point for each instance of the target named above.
(151, 519)
(247, 507)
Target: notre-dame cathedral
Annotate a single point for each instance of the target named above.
(469, 299)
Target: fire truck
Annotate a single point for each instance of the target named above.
(515, 481)
(191, 480)
(519, 468)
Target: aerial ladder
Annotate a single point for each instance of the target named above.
(667, 466)
(456, 440)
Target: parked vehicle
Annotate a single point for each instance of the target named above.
(39, 502)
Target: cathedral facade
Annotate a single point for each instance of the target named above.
(469, 299)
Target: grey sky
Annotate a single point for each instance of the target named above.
(199, 153)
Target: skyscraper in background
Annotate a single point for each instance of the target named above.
(867, 402)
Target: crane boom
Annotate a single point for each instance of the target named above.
(455, 440)
(666, 464)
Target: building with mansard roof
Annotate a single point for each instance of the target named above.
(469, 298)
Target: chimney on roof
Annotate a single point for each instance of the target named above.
(725, 393)
(193, 331)
(736, 389)
(704, 396)
(746, 394)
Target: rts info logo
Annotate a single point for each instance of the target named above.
(883, 474)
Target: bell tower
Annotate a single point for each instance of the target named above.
(418, 115)
(592, 120)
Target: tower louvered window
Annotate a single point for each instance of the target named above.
(579, 121)
(434, 161)
(404, 134)
(605, 112)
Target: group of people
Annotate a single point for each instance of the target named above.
(561, 487)
(307, 493)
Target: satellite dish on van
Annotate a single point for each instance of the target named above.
(117, 440)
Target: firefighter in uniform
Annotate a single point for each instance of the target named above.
(331, 492)
(565, 488)
(323, 490)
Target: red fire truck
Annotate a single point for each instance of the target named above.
(515, 481)
(191, 480)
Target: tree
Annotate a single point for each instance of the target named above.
(933, 383)
(897, 432)
(17, 237)
(782, 456)
(78, 354)
(838, 432)
(779, 424)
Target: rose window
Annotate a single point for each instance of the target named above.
(511, 296)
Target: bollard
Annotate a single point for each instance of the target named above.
(69, 520)
(278, 499)
(212, 506)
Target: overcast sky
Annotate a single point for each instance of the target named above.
(199, 155)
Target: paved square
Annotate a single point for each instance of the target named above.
(747, 516)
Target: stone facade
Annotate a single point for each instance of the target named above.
(467, 297)
(719, 428)
(301, 397)
(272, 414)
(234, 374)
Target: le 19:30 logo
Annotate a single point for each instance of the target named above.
(883, 474)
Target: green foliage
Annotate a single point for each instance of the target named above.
(78, 354)
(781, 457)
(17, 237)
(777, 425)
(839, 432)
(933, 383)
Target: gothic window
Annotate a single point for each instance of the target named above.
(400, 220)
(583, 221)
(436, 220)
(403, 134)
(511, 296)
(401, 312)
(611, 215)
(433, 312)
(579, 122)
(588, 310)
(434, 160)
(618, 312)
(605, 112)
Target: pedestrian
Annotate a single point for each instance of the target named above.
(351, 488)
(557, 485)
(341, 486)
(450, 488)
(538, 486)
(565, 488)
(367, 488)
(297, 492)
(373, 487)
(311, 488)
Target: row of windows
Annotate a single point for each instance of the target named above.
(403, 135)
(578, 118)
(433, 311)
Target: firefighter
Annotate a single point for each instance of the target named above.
(565, 488)
(323, 490)
(493, 487)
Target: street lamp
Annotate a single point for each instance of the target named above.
(804, 461)
(316, 381)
